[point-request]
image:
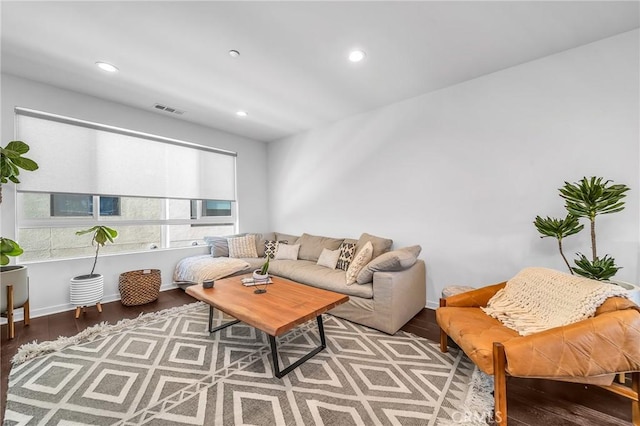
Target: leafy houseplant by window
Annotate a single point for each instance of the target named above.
(13, 278)
(89, 289)
(11, 161)
(587, 198)
(101, 235)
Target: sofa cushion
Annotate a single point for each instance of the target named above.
(311, 246)
(380, 245)
(292, 239)
(396, 260)
(287, 251)
(359, 261)
(310, 273)
(328, 258)
(219, 245)
(271, 247)
(242, 246)
(474, 332)
(347, 251)
(261, 239)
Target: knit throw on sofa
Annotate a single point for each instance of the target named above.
(538, 299)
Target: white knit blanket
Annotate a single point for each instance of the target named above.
(538, 299)
(196, 269)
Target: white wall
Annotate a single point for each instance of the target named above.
(49, 281)
(464, 171)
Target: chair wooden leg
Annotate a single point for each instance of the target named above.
(99, 307)
(443, 341)
(635, 404)
(499, 384)
(10, 324)
(443, 336)
(78, 312)
(27, 314)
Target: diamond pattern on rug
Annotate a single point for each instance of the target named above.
(171, 371)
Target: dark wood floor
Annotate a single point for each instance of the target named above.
(530, 402)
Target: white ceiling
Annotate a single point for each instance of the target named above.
(292, 74)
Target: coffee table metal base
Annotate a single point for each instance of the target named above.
(272, 342)
(220, 327)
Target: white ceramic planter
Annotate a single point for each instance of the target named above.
(260, 277)
(15, 275)
(632, 289)
(86, 290)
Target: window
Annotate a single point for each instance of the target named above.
(162, 194)
(210, 208)
(65, 205)
(47, 223)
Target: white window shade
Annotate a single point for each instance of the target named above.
(87, 158)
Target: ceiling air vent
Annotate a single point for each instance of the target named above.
(168, 109)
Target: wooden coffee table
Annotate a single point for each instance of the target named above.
(285, 305)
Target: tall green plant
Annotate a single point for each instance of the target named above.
(559, 229)
(587, 198)
(11, 161)
(101, 235)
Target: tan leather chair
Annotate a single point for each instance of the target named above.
(591, 351)
(14, 294)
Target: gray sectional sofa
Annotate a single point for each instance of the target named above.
(390, 289)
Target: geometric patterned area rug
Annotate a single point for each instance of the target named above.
(165, 369)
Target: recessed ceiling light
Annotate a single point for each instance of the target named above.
(104, 66)
(242, 113)
(234, 53)
(356, 55)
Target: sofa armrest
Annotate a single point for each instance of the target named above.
(473, 298)
(616, 304)
(398, 296)
(600, 345)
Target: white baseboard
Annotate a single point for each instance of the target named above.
(433, 305)
(35, 313)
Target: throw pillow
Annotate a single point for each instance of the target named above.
(219, 246)
(260, 239)
(347, 251)
(242, 247)
(271, 247)
(380, 245)
(311, 246)
(293, 239)
(361, 258)
(329, 258)
(396, 260)
(287, 252)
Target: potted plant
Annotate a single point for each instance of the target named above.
(262, 274)
(11, 161)
(89, 289)
(559, 229)
(587, 198)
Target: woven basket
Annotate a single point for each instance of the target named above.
(139, 287)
